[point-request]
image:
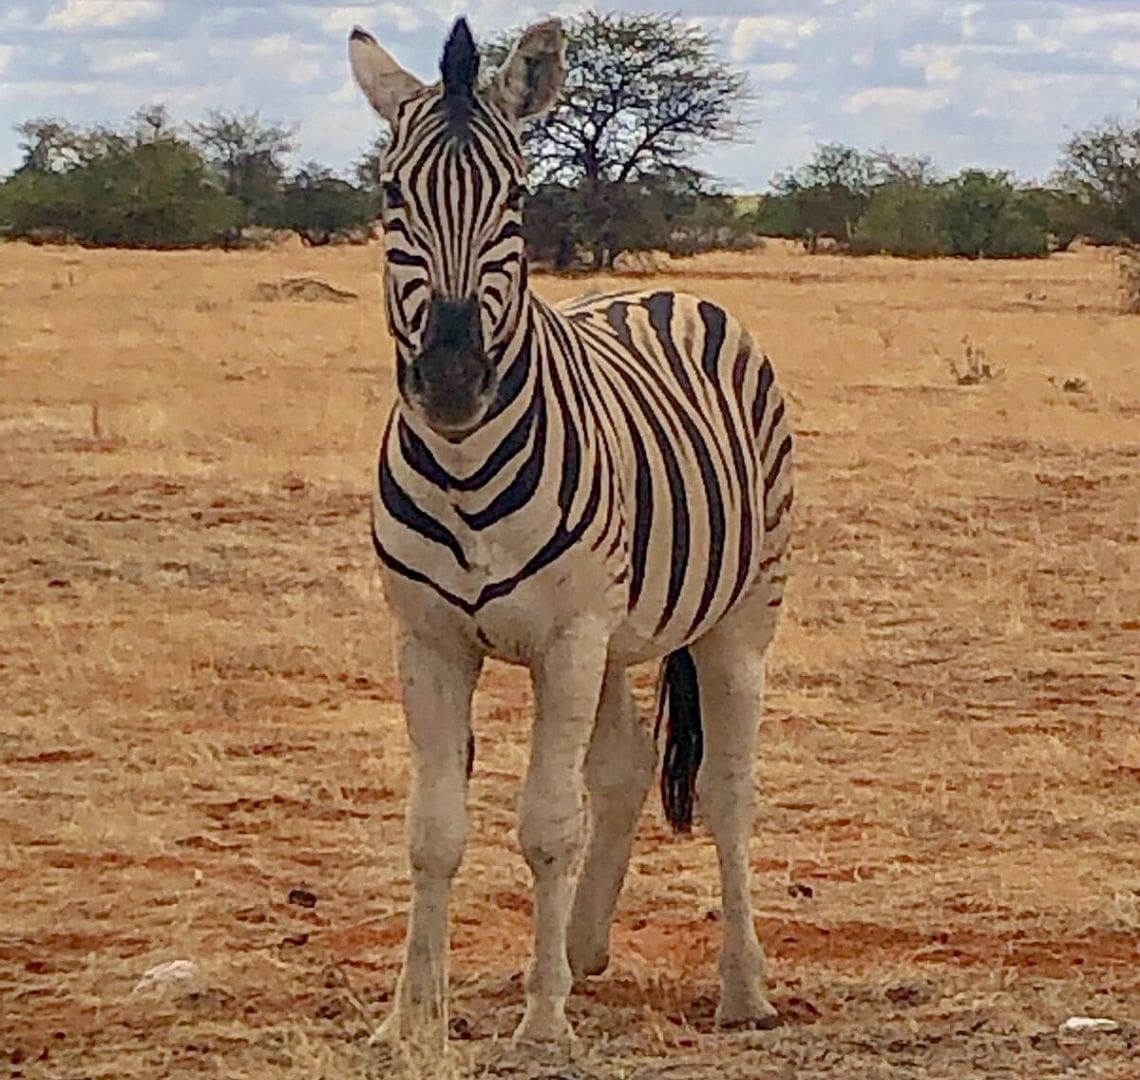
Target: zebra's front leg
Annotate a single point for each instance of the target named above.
(438, 679)
(567, 684)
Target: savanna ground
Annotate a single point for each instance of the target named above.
(203, 758)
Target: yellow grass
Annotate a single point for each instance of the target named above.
(197, 701)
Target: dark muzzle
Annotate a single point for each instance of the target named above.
(450, 380)
(452, 326)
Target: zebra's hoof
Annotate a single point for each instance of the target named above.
(755, 1015)
(543, 1027)
(588, 962)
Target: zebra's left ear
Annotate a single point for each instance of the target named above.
(531, 77)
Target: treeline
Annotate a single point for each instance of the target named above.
(610, 172)
(152, 184)
(879, 202)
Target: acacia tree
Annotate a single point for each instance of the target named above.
(642, 93)
(320, 206)
(247, 155)
(829, 194)
(1101, 165)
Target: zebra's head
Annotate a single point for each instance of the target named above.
(452, 181)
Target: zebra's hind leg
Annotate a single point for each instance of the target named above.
(619, 771)
(730, 672)
(438, 684)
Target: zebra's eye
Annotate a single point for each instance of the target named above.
(515, 197)
(393, 196)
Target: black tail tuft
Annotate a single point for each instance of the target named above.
(679, 703)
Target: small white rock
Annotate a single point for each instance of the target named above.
(182, 975)
(1078, 1024)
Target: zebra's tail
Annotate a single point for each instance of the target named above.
(679, 706)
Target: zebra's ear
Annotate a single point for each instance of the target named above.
(384, 82)
(531, 77)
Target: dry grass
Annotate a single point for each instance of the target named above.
(197, 717)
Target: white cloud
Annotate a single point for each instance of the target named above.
(15, 18)
(285, 55)
(1031, 40)
(101, 14)
(45, 88)
(969, 12)
(939, 64)
(901, 99)
(124, 61)
(756, 31)
(274, 45)
(778, 72)
(340, 20)
(303, 71)
(1087, 22)
(1127, 53)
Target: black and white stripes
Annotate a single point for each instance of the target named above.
(578, 488)
(643, 427)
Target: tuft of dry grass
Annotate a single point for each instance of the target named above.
(198, 718)
(974, 368)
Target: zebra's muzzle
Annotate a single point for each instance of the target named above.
(451, 383)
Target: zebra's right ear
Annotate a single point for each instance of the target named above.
(384, 82)
(531, 77)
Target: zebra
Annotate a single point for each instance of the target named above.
(577, 489)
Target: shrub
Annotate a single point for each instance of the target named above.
(151, 194)
(322, 208)
(985, 215)
(902, 219)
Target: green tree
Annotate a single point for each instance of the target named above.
(321, 206)
(828, 195)
(902, 219)
(984, 215)
(247, 154)
(143, 186)
(1101, 167)
(366, 170)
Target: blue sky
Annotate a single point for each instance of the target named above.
(971, 83)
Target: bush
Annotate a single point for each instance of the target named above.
(549, 226)
(776, 215)
(985, 215)
(713, 223)
(323, 208)
(668, 212)
(149, 195)
(902, 219)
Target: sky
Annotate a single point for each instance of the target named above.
(997, 84)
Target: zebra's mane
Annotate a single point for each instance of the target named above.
(459, 68)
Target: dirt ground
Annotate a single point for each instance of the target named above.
(203, 759)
